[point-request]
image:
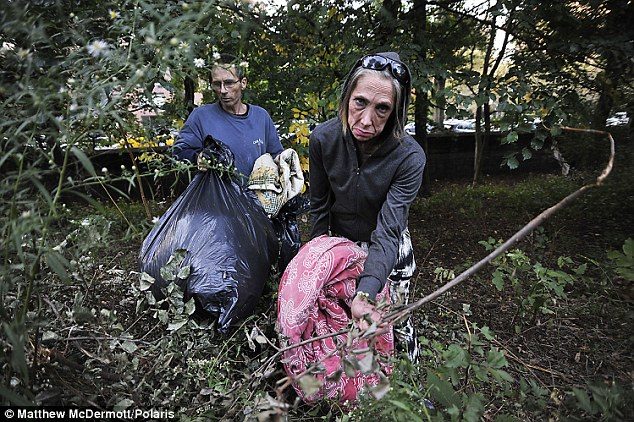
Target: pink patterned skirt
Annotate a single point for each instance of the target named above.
(314, 299)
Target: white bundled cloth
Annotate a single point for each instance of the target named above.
(276, 181)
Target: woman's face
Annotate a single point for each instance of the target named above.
(371, 104)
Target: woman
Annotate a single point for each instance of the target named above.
(365, 172)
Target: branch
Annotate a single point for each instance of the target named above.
(507, 33)
(521, 234)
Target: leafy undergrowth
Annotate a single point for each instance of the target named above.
(543, 332)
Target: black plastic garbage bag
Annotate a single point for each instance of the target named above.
(230, 244)
(287, 229)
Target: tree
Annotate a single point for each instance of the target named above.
(482, 93)
(584, 45)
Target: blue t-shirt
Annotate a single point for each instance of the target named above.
(248, 136)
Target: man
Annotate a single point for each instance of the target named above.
(246, 129)
(365, 172)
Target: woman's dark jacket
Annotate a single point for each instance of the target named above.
(367, 203)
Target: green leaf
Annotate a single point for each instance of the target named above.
(45, 194)
(581, 269)
(167, 275)
(626, 273)
(501, 375)
(456, 357)
(454, 412)
(145, 282)
(486, 331)
(584, 400)
(562, 261)
(57, 263)
(309, 385)
(451, 110)
(480, 373)
(400, 405)
(190, 306)
(183, 273)
(162, 315)
(512, 163)
(129, 346)
(176, 324)
(382, 388)
(512, 137)
(498, 280)
(442, 391)
(473, 408)
(170, 270)
(496, 359)
(15, 334)
(526, 154)
(123, 404)
(628, 247)
(83, 159)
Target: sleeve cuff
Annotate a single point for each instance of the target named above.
(370, 285)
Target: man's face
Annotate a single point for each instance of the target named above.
(370, 106)
(227, 86)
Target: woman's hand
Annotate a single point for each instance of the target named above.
(361, 307)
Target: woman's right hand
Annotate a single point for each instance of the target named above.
(360, 308)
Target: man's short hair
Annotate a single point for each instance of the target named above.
(228, 61)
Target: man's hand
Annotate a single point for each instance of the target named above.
(361, 307)
(202, 162)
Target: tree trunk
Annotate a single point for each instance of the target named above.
(190, 88)
(605, 102)
(421, 106)
(479, 146)
(488, 75)
(439, 112)
(484, 88)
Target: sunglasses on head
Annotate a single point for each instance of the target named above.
(376, 62)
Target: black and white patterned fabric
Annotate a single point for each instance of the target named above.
(406, 339)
